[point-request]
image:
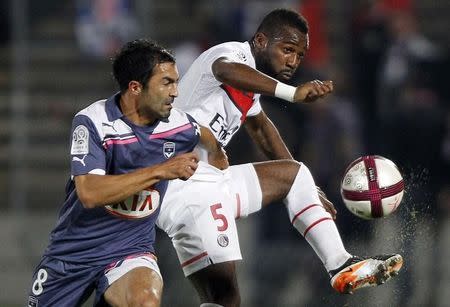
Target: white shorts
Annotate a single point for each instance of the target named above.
(199, 214)
(120, 268)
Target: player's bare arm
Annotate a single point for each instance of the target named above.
(217, 156)
(264, 133)
(100, 190)
(243, 77)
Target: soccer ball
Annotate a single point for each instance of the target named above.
(372, 187)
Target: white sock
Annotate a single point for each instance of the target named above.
(308, 216)
(210, 305)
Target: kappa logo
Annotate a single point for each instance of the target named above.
(76, 159)
(168, 149)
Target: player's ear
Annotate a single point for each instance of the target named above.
(134, 87)
(260, 40)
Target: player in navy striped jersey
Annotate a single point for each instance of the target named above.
(124, 150)
(221, 91)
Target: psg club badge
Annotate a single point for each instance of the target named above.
(168, 149)
(223, 240)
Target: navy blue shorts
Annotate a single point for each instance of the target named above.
(59, 283)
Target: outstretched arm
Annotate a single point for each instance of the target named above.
(245, 78)
(100, 190)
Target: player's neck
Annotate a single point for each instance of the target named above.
(130, 109)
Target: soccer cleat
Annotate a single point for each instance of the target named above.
(358, 272)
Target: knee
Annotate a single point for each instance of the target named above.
(145, 298)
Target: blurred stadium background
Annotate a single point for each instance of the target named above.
(389, 60)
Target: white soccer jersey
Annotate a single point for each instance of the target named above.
(217, 106)
(202, 225)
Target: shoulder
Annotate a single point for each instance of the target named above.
(92, 116)
(236, 51)
(95, 111)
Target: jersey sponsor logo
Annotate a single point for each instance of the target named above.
(76, 159)
(219, 126)
(168, 149)
(137, 206)
(80, 141)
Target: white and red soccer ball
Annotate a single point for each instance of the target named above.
(372, 187)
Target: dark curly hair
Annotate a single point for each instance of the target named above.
(136, 61)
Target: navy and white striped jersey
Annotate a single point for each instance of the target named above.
(105, 142)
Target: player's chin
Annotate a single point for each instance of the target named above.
(284, 76)
(165, 114)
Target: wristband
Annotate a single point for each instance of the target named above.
(285, 91)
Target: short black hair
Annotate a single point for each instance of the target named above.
(277, 19)
(136, 60)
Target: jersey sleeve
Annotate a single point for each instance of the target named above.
(197, 132)
(256, 107)
(234, 54)
(86, 151)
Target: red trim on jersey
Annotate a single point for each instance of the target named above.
(315, 223)
(194, 259)
(242, 100)
(238, 206)
(170, 132)
(303, 210)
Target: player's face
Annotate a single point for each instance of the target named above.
(283, 53)
(162, 87)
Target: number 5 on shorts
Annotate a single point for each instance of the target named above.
(219, 216)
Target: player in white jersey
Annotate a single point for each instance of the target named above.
(221, 91)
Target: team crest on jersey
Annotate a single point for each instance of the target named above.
(168, 149)
(223, 240)
(137, 206)
(80, 141)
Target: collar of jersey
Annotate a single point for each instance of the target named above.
(113, 112)
(112, 107)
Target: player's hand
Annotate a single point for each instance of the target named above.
(328, 205)
(182, 166)
(313, 90)
(218, 159)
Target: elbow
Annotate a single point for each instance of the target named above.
(221, 70)
(87, 199)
